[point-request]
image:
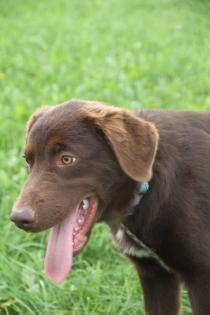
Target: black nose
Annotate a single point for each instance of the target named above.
(23, 218)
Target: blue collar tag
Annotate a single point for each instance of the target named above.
(143, 188)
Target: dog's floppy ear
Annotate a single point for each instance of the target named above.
(35, 116)
(133, 140)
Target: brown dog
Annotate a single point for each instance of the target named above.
(87, 162)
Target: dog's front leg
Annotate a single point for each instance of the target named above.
(161, 289)
(199, 292)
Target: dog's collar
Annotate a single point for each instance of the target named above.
(142, 190)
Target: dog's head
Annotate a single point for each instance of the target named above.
(83, 159)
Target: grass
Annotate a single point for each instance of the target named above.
(130, 53)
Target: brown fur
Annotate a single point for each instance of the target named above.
(133, 140)
(115, 150)
(36, 116)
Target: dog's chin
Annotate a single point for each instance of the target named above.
(33, 228)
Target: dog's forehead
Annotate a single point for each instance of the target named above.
(62, 120)
(61, 116)
(61, 123)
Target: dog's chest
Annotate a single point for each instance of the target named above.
(131, 246)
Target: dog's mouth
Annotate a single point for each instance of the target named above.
(68, 238)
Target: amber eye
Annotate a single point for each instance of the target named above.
(68, 159)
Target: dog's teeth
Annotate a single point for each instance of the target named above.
(81, 220)
(76, 229)
(85, 204)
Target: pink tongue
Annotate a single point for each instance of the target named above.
(58, 258)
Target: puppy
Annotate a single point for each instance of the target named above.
(145, 173)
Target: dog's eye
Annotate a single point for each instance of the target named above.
(68, 159)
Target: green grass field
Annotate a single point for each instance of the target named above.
(129, 53)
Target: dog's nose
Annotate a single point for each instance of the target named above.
(23, 217)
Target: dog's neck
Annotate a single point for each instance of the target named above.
(141, 191)
(134, 200)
